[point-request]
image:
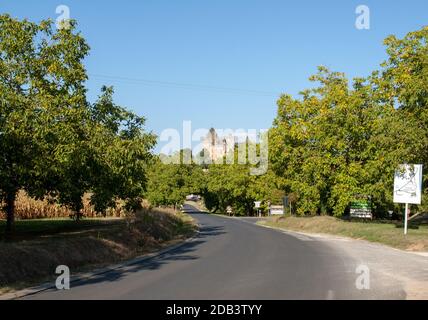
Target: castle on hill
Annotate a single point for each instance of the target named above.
(215, 147)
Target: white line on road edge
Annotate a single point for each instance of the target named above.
(298, 236)
(88, 275)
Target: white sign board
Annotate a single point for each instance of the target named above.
(277, 210)
(361, 214)
(257, 204)
(408, 184)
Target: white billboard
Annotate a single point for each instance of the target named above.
(276, 210)
(408, 184)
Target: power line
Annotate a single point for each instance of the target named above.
(180, 85)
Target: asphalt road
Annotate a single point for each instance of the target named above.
(236, 259)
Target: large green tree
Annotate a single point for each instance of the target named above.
(338, 142)
(53, 141)
(171, 180)
(235, 184)
(403, 83)
(108, 158)
(42, 94)
(122, 150)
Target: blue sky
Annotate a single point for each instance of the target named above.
(170, 60)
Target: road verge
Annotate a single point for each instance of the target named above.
(379, 232)
(33, 261)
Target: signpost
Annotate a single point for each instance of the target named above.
(408, 188)
(258, 205)
(287, 203)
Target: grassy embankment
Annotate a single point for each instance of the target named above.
(387, 233)
(39, 246)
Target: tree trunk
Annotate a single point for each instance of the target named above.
(10, 212)
(77, 207)
(78, 214)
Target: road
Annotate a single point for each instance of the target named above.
(236, 259)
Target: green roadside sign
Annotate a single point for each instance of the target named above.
(361, 209)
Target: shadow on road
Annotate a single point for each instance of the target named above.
(182, 253)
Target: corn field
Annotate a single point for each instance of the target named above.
(29, 208)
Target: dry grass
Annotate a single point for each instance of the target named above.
(386, 233)
(33, 257)
(29, 208)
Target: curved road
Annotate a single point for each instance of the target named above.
(236, 259)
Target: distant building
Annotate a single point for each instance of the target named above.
(215, 147)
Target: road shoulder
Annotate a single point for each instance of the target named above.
(407, 267)
(84, 276)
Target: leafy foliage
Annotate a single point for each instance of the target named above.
(41, 94)
(53, 141)
(169, 183)
(338, 141)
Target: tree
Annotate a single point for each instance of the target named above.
(338, 142)
(122, 152)
(108, 157)
(233, 184)
(41, 91)
(229, 184)
(170, 180)
(403, 83)
(53, 141)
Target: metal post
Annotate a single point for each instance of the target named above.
(406, 218)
